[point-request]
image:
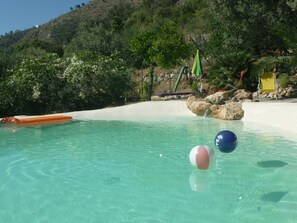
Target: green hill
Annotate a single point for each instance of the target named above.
(62, 29)
(81, 50)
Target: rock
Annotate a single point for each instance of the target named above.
(241, 94)
(217, 98)
(200, 108)
(271, 95)
(168, 97)
(255, 96)
(155, 98)
(192, 98)
(229, 111)
(217, 106)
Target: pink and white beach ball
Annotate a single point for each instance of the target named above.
(202, 157)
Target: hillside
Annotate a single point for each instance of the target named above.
(61, 29)
(85, 58)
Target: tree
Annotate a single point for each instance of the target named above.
(94, 40)
(46, 46)
(169, 47)
(164, 46)
(242, 32)
(247, 25)
(118, 15)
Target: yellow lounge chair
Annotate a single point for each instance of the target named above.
(267, 83)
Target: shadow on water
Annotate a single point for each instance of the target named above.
(274, 196)
(112, 180)
(272, 164)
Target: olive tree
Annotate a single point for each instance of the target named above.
(163, 46)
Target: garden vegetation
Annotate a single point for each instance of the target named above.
(85, 58)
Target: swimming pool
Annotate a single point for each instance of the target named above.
(125, 171)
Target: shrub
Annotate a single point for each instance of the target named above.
(283, 80)
(35, 85)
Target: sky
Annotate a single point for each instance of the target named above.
(24, 14)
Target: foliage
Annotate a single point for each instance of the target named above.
(226, 70)
(118, 15)
(98, 83)
(289, 35)
(193, 16)
(96, 41)
(156, 4)
(292, 4)
(6, 63)
(103, 36)
(114, 78)
(268, 63)
(140, 46)
(169, 46)
(34, 86)
(251, 30)
(144, 90)
(50, 84)
(283, 80)
(36, 43)
(8, 40)
(248, 26)
(7, 99)
(32, 49)
(64, 32)
(165, 46)
(195, 86)
(104, 39)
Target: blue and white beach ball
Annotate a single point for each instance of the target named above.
(201, 157)
(226, 141)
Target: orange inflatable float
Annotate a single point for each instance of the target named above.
(52, 119)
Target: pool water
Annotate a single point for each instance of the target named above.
(123, 171)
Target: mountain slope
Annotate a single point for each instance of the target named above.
(61, 30)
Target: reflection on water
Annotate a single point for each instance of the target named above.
(199, 180)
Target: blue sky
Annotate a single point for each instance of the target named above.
(23, 14)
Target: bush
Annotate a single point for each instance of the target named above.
(97, 83)
(35, 85)
(283, 80)
(49, 84)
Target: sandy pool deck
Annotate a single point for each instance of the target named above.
(280, 115)
(277, 117)
(137, 111)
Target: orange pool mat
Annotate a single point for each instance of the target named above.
(52, 119)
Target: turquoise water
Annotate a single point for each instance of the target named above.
(116, 171)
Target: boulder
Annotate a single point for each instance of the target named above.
(228, 111)
(217, 98)
(200, 108)
(194, 97)
(190, 100)
(241, 94)
(217, 106)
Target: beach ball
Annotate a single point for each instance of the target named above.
(226, 141)
(201, 157)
